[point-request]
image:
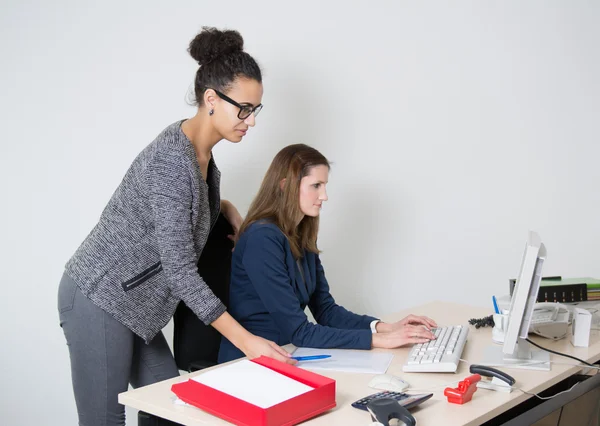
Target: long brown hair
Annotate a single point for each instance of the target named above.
(281, 204)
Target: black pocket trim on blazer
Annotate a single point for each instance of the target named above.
(142, 277)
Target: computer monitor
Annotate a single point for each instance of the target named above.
(516, 351)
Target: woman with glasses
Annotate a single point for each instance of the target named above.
(276, 271)
(124, 282)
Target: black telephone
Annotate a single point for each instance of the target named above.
(385, 409)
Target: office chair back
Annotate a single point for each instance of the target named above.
(196, 345)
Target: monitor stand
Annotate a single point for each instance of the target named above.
(524, 357)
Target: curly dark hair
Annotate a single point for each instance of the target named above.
(221, 57)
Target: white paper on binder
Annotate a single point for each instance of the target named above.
(253, 383)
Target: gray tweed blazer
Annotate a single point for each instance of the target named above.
(141, 258)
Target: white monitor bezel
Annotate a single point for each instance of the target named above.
(525, 292)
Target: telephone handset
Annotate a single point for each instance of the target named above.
(385, 409)
(550, 320)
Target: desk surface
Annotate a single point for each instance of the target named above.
(158, 399)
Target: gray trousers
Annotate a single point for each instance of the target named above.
(105, 357)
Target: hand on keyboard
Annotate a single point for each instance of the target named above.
(408, 331)
(402, 335)
(439, 355)
(414, 320)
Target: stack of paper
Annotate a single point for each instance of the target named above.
(253, 383)
(351, 361)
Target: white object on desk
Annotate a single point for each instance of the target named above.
(441, 355)
(178, 401)
(388, 382)
(253, 383)
(503, 303)
(495, 384)
(582, 324)
(550, 320)
(494, 357)
(500, 324)
(347, 360)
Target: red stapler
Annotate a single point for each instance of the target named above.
(465, 390)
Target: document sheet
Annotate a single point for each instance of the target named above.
(352, 361)
(253, 383)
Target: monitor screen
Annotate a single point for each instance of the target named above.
(516, 351)
(525, 292)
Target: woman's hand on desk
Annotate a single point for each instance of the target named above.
(255, 346)
(402, 335)
(411, 320)
(252, 346)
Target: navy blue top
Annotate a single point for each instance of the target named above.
(268, 296)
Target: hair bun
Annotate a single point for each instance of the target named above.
(212, 43)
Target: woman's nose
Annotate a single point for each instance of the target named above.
(250, 120)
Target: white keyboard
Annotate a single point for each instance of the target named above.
(441, 355)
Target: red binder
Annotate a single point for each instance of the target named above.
(286, 413)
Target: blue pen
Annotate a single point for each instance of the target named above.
(311, 357)
(495, 305)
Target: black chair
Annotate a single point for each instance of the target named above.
(195, 345)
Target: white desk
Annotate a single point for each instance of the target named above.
(157, 399)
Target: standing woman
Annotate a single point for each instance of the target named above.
(122, 285)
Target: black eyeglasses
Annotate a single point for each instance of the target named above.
(245, 110)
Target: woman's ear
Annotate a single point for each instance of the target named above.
(210, 98)
(282, 183)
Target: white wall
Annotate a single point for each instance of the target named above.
(453, 131)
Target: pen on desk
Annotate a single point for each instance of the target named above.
(310, 357)
(495, 302)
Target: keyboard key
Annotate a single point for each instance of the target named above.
(440, 355)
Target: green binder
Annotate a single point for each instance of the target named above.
(566, 290)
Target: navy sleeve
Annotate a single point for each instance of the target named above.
(264, 262)
(327, 312)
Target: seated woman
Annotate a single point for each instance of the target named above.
(276, 270)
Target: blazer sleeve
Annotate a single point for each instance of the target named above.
(327, 312)
(170, 196)
(264, 262)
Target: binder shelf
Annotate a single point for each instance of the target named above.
(318, 397)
